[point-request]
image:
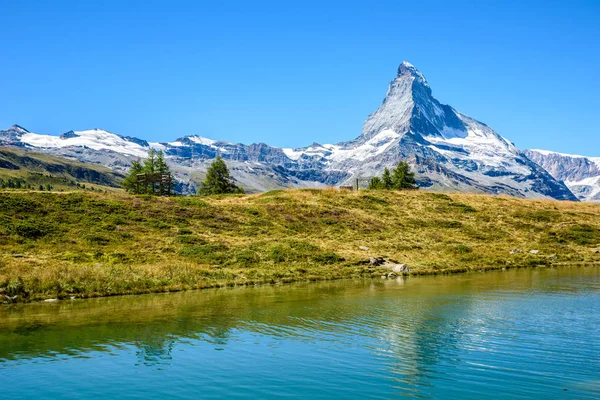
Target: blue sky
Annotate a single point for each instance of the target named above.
(290, 73)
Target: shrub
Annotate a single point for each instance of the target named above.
(463, 207)
(462, 249)
(328, 258)
(97, 239)
(15, 286)
(32, 230)
(208, 253)
(117, 258)
(449, 224)
(293, 251)
(76, 257)
(18, 204)
(579, 234)
(156, 224)
(374, 200)
(247, 258)
(540, 216)
(440, 196)
(190, 239)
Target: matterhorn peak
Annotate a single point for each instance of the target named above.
(406, 69)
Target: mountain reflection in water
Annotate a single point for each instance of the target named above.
(524, 333)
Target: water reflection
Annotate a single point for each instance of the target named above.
(420, 335)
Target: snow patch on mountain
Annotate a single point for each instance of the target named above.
(373, 147)
(580, 173)
(96, 139)
(202, 140)
(595, 160)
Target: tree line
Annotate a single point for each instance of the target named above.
(218, 179)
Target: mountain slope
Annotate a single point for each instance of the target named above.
(581, 174)
(42, 169)
(448, 150)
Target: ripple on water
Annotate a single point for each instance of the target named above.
(517, 334)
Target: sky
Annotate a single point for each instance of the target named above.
(290, 73)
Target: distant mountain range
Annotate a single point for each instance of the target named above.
(581, 174)
(449, 151)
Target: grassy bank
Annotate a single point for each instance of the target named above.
(86, 244)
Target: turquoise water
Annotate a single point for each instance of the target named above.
(511, 334)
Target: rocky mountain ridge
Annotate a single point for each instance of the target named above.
(449, 151)
(581, 174)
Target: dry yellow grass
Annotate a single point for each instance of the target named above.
(88, 244)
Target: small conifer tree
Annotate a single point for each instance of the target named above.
(130, 183)
(398, 179)
(376, 183)
(218, 180)
(403, 177)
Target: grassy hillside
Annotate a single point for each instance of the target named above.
(84, 244)
(29, 170)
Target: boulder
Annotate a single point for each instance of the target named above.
(534, 251)
(400, 268)
(376, 261)
(364, 248)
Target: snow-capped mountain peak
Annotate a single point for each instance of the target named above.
(447, 149)
(96, 139)
(407, 68)
(19, 129)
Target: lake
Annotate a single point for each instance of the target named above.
(531, 333)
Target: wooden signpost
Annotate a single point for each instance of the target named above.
(164, 183)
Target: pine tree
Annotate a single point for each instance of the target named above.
(403, 178)
(218, 180)
(130, 183)
(398, 179)
(150, 162)
(386, 179)
(161, 167)
(376, 183)
(150, 168)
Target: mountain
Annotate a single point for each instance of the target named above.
(33, 169)
(448, 151)
(581, 174)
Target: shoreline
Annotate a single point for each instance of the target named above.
(379, 274)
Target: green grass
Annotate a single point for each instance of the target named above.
(30, 171)
(90, 244)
